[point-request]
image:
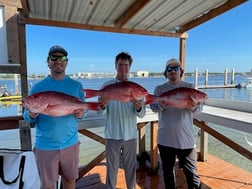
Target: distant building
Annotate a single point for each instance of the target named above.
(83, 75)
(142, 73)
(108, 74)
(93, 75)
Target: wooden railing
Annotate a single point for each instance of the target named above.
(228, 114)
(231, 114)
(93, 120)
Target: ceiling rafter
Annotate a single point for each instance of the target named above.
(25, 8)
(131, 16)
(24, 20)
(130, 12)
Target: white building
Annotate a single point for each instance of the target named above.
(142, 73)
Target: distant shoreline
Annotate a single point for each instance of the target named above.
(109, 75)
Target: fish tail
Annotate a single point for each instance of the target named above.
(90, 93)
(149, 98)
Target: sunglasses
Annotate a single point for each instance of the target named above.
(60, 58)
(175, 68)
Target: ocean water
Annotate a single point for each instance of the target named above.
(215, 147)
(150, 83)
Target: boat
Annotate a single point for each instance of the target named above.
(249, 82)
(11, 98)
(246, 84)
(6, 96)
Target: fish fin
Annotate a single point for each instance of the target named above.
(149, 98)
(93, 106)
(90, 93)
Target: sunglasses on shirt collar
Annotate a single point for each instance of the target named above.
(55, 58)
(174, 68)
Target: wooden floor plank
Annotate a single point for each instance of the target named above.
(214, 173)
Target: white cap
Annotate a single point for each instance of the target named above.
(173, 60)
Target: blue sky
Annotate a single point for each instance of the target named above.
(223, 42)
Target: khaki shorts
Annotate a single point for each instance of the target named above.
(52, 163)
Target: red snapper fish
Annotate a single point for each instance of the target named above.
(182, 97)
(122, 91)
(54, 103)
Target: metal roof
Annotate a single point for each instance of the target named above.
(147, 17)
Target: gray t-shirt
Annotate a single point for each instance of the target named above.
(175, 127)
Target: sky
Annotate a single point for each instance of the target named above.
(224, 42)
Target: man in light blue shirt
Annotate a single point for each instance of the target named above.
(121, 129)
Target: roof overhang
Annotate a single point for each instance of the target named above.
(144, 17)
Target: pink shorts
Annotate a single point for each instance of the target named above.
(52, 163)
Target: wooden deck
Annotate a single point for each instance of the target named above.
(214, 173)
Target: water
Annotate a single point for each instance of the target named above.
(242, 94)
(215, 147)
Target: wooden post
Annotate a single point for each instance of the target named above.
(141, 137)
(25, 135)
(203, 145)
(233, 75)
(206, 77)
(225, 76)
(154, 147)
(182, 48)
(196, 78)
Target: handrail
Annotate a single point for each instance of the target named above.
(241, 121)
(10, 122)
(246, 153)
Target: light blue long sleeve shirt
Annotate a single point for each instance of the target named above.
(121, 121)
(54, 133)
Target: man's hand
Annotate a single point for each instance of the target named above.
(103, 101)
(79, 113)
(137, 104)
(33, 115)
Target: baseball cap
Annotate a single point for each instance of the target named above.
(171, 61)
(57, 48)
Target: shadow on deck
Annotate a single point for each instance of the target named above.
(214, 173)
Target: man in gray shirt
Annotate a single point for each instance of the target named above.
(176, 131)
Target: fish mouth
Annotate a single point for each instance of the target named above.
(23, 102)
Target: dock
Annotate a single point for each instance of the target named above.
(214, 173)
(216, 86)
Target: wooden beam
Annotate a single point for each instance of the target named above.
(10, 122)
(211, 14)
(33, 21)
(85, 169)
(92, 136)
(25, 135)
(25, 8)
(154, 146)
(10, 68)
(182, 51)
(23, 59)
(203, 145)
(130, 12)
(243, 151)
(141, 137)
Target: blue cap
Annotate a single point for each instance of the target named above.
(57, 48)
